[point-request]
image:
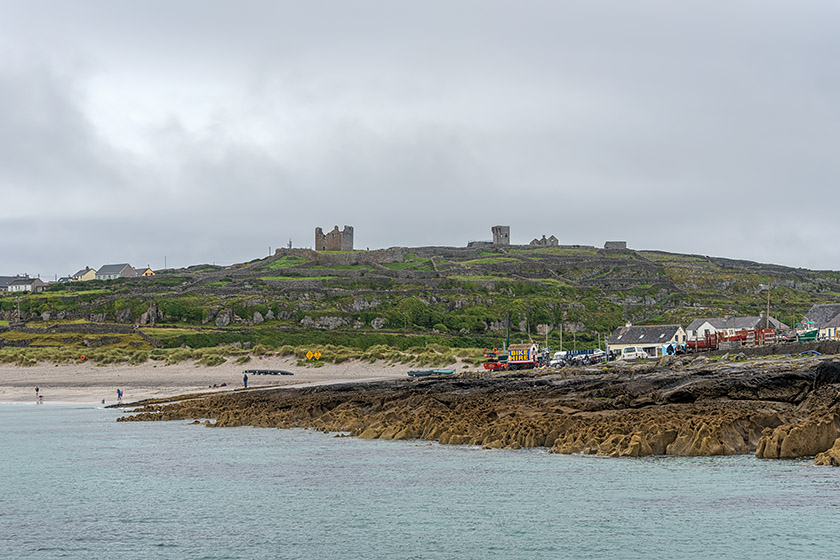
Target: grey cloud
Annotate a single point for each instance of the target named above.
(212, 129)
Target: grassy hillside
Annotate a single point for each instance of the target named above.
(410, 298)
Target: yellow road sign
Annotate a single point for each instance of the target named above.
(317, 355)
(309, 355)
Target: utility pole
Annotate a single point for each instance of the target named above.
(507, 324)
(767, 319)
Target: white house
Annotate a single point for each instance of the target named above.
(26, 284)
(651, 339)
(728, 326)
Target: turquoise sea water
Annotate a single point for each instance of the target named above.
(76, 484)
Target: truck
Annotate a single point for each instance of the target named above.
(523, 356)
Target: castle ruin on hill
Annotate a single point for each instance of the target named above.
(501, 235)
(335, 240)
(545, 242)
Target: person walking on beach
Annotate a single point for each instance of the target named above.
(119, 396)
(245, 380)
(37, 393)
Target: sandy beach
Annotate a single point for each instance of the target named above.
(89, 383)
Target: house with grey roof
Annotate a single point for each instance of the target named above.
(113, 271)
(651, 339)
(26, 284)
(825, 317)
(5, 281)
(728, 326)
(87, 273)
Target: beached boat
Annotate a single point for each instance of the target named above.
(268, 372)
(426, 372)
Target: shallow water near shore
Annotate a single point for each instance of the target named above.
(76, 484)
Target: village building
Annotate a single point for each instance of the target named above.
(87, 273)
(543, 242)
(145, 272)
(26, 284)
(113, 271)
(651, 339)
(825, 318)
(6, 280)
(335, 240)
(728, 326)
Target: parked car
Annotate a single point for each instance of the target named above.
(633, 353)
(558, 360)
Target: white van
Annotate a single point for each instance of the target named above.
(558, 359)
(632, 353)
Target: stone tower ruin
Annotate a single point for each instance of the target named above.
(334, 240)
(501, 235)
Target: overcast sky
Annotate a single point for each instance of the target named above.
(208, 131)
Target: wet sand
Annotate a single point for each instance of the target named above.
(89, 383)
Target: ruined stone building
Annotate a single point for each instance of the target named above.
(543, 242)
(501, 235)
(615, 245)
(334, 240)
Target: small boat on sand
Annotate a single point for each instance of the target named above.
(427, 372)
(268, 372)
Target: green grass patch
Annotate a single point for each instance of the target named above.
(479, 278)
(341, 267)
(407, 264)
(556, 251)
(80, 341)
(286, 262)
(66, 293)
(296, 278)
(48, 324)
(491, 260)
(164, 333)
(670, 258)
(554, 282)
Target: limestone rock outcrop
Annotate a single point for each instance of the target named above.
(769, 408)
(811, 436)
(830, 457)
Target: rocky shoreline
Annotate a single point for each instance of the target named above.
(776, 408)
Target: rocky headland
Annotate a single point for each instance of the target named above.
(775, 408)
